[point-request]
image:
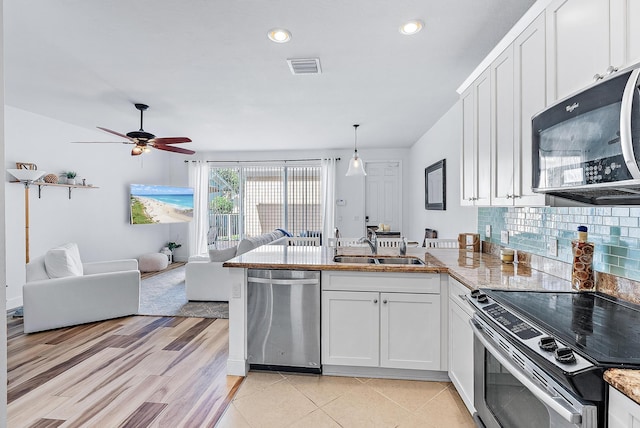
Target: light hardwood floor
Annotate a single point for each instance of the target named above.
(129, 372)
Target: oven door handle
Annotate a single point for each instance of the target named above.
(568, 414)
(626, 110)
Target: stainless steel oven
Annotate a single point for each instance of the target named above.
(510, 390)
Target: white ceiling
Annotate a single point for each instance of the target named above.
(208, 71)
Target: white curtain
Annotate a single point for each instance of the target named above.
(328, 198)
(199, 180)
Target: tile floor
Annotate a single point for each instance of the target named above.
(267, 400)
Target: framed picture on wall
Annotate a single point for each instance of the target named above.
(435, 186)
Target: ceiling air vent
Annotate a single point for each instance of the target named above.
(304, 65)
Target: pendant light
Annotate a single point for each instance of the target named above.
(356, 165)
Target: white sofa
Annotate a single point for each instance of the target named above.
(102, 291)
(207, 280)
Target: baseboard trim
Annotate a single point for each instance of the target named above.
(385, 373)
(237, 367)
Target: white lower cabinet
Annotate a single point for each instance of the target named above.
(350, 328)
(460, 343)
(623, 412)
(396, 330)
(410, 331)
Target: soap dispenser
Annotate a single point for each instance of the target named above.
(582, 270)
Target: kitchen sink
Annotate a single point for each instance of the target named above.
(379, 260)
(399, 261)
(354, 259)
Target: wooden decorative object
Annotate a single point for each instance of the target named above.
(469, 241)
(51, 178)
(26, 165)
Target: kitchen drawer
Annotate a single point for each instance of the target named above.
(391, 282)
(456, 290)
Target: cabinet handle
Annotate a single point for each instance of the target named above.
(610, 70)
(509, 196)
(516, 196)
(597, 77)
(384, 301)
(375, 300)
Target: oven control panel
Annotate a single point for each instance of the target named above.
(511, 322)
(527, 334)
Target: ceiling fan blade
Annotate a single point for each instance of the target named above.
(101, 142)
(173, 149)
(172, 140)
(115, 133)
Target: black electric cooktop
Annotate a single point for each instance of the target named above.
(602, 328)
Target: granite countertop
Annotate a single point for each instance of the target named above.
(473, 270)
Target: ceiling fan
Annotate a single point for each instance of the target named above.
(144, 140)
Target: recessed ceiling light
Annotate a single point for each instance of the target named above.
(411, 27)
(279, 35)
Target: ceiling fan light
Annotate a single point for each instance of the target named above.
(136, 151)
(146, 149)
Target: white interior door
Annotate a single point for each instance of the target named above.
(383, 194)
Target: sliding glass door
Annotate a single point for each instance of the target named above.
(250, 200)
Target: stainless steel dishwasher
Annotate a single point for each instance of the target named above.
(283, 320)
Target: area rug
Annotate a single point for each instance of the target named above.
(165, 295)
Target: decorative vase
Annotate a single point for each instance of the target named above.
(71, 181)
(167, 252)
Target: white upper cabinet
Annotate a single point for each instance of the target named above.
(566, 47)
(476, 143)
(529, 53)
(625, 34)
(503, 162)
(468, 162)
(579, 44)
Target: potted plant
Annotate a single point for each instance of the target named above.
(71, 177)
(172, 246)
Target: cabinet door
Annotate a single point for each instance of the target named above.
(625, 33)
(623, 412)
(468, 161)
(503, 161)
(350, 328)
(578, 43)
(530, 98)
(483, 139)
(461, 353)
(410, 331)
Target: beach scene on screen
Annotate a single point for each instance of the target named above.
(160, 204)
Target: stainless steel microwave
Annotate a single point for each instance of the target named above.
(586, 147)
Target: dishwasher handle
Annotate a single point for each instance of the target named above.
(306, 281)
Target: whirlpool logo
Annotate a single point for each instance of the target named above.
(572, 107)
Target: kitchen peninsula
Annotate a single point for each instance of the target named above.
(471, 269)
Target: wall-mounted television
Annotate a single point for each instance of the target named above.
(152, 204)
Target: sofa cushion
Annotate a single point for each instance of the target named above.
(63, 261)
(222, 255)
(36, 270)
(245, 245)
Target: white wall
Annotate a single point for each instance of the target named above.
(349, 218)
(3, 245)
(97, 219)
(442, 141)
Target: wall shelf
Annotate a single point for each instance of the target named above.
(69, 186)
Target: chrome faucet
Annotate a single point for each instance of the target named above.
(373, 243)
(403, 246)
